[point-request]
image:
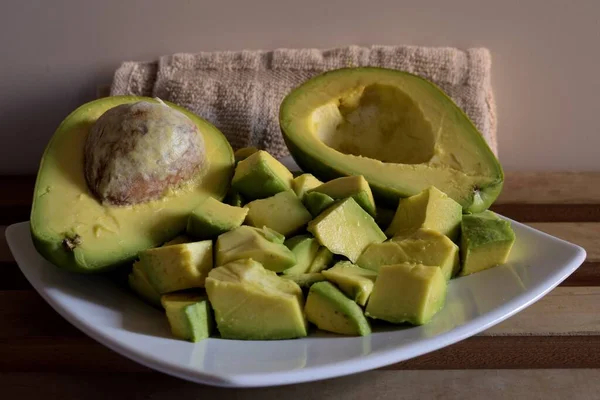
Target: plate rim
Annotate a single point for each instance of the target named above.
(342, 368)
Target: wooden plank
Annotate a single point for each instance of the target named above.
(81, 354)
(585, 234)
(564, 311)
(551, 188)
(559, 384)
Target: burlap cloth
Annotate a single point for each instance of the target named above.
(240, 92)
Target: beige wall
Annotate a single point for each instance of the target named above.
(546, 58)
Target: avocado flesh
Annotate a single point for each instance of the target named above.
(399, 131)
(75, 231)
(330, 310)
(407, 292)
(253, 303)
(190, 315)
(486, 242)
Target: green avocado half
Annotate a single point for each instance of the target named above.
(74, 230)
(400, 131)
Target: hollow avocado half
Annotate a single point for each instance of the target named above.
(400, 131)
(72, 229)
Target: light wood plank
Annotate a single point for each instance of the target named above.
(563, 312)
(551, 188)
(585, 234)
(557, 384)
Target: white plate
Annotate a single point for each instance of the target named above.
(117, 319)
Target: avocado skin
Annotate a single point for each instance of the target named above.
(384, 196)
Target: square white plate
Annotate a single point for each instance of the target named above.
(118, 320)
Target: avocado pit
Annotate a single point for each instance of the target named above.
(137, 152)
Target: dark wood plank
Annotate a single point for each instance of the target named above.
(382, 385)
(11, 278)
(500, 352)
(81, 354)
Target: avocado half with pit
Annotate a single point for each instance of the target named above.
(121, 174)
(398, 130)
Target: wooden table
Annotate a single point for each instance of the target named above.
(551, 350)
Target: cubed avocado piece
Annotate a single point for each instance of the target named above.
(346, 229)
(179, 240)
(253, 303)
(486, 242)
(139, 283)
(430, 209)
(179, 266)
(357, 283)
(330, 310)
(322, 260)
(243, 153)
(271, 235)
(260, 175)
(212, 218)
(249, 242)
(424, 246)
(303, 183)
(316, 202)
(355, 186)
(190, 315)
(407, 292)
(283, 213)
(306, 280)
(378, 254)
(305, 248)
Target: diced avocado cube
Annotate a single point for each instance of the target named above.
(305, 281)
(139, 283)
(486, 242)
(271, 235)
(243, 153)
(179, 240)
(316, 202)
(407, 292)
(379, 254)
(305, 248)
(330, 310)
(424, 246)
(260, 175)
(253, 303)
(190, 315)
(322, 260)
(249, 242)
(355, 186)
(303, 183)
(211, 218)
(179, 266)
(346, 229)
(283, 213)
(430, 209)
(357, 283)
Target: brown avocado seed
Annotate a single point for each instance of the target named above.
(136, 152)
